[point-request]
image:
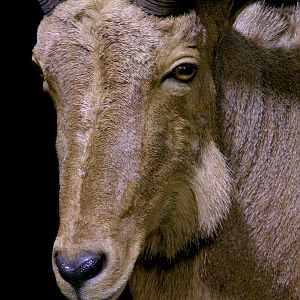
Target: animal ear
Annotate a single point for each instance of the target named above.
(229, 9)
(47, 6)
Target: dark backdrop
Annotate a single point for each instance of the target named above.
(29, 166)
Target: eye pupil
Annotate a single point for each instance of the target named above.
(185, 69)
(184, 72)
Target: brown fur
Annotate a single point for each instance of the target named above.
(192, 190)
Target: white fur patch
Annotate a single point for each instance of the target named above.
(211, 185)
(270, 27)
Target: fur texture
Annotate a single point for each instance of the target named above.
(191, 189)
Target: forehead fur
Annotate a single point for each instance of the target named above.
(90, 21)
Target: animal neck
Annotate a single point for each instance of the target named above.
(258, 93)
(186, 254)
(179, 278)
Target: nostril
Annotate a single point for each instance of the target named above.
(91, 267)
(77, 272)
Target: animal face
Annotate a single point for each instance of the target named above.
(140, 172)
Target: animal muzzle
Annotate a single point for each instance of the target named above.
(76, 272)
(95, 272)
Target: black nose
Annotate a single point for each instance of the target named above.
(76, 272)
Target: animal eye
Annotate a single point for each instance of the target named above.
(184, 72)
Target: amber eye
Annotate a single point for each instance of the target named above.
(184, 72)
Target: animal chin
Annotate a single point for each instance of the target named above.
(86, 293)
(117, 294)
(114, 296)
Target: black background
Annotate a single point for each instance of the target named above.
(29, 166)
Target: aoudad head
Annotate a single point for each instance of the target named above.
(140, 171)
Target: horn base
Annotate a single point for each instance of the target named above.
(47, 6)
(163, 8)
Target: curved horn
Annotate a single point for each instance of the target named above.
(163, 8)
(48, 5)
